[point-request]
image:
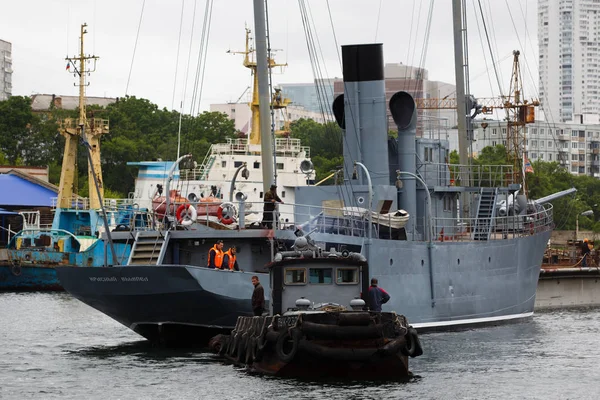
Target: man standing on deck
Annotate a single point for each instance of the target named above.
(585, 252)
(270, 199)
(376, 296)
(258, 297)
(215, 255)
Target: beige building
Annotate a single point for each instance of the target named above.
(241, 114)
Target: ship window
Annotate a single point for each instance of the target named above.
(283, 193)
(295, 276)
(347, 276)
(256, 165)
(279, 165)
(237, 164)
(223, 164)
(320, 275)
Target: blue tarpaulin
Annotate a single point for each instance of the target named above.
(17, 191)
(6, 212)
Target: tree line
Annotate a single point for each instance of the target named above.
(141, 131)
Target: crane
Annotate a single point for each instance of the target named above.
(519, 113)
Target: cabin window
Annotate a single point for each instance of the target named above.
(279, 165)
(347, 276)
(295, 276)
(283, 194)
(237, 164)
(320, 275)
(223, 164)
(256, 165)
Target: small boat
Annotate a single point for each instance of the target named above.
(318, 338)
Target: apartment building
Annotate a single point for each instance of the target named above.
(5, 70)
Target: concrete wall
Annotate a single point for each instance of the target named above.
(567, 292)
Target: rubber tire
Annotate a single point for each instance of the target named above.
(279, 345)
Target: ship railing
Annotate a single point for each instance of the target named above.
(466, 175)
(77, 203)
(502, 228)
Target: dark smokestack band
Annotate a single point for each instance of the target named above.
(362, 62)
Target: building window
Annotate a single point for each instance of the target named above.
(574, 157)
(549, 157)
(533, 155)
(574, 145)
(494, 131)
(541, 156)
(549, 143)
(504, 131)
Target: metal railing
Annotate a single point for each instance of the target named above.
(353, 221)
(466, 175)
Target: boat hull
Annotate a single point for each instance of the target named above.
(28, 278)
(167, 304)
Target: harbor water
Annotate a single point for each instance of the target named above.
(54, 347)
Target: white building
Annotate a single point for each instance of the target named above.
(569, 47)
(241, 114)
(5, 70)
(574, 146)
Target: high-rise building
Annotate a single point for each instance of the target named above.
(569, 46)
(5, 70)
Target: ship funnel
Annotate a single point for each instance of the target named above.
(364, 112)
(404, 113)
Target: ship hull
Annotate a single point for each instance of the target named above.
(181, 305)
(465, 284)
(28, 278)
(448, 285)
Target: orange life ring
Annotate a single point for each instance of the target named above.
(180, 211)
(222, 219)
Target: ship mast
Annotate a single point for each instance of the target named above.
(72, 131)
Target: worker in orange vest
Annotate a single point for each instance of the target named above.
(230, 260)
(215, 255)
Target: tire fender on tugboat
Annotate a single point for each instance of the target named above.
(292, 336)
(413, 344)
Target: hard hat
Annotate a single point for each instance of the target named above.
(586, 240)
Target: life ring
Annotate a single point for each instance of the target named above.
(283, 351)
(16, 270)
(226, 213)
(186, 214)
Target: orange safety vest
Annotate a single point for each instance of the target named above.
(218, 256)
(231, 259)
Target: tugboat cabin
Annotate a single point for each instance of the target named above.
(334, 280)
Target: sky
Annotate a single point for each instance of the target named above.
(44, 32)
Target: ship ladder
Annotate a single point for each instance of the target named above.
(149, 248)
(206, 167)
(486, 213)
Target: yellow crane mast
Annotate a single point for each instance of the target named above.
(72, 130)
(278, 101)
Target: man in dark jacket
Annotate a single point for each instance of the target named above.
(258, 297)
(270, 199)
(376, 296)
(585, 252)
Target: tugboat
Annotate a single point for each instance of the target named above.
(308, 335)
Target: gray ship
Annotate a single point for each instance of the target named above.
(454, 245)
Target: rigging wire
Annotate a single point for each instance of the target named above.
(137, 36)
(177, 57)
(205, 57)
(185, 81)
(377, 24)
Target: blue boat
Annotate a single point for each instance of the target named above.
(30, 259)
